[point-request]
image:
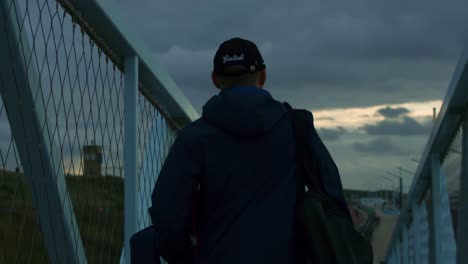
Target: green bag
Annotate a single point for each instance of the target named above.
(326, 233)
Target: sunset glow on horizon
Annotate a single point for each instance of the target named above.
(355, 117)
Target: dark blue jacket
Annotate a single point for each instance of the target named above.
(241, 152)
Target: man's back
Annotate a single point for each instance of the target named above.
(241, 155)
(245, 167)
(249, 191)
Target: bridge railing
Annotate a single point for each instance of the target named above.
(86, 121)
(433, 224)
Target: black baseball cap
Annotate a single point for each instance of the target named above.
(237, 56)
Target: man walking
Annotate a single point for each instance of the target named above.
(241, 155)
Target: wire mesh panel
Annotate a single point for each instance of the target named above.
(452, 170)
(155, 136)
(425, 208)
(77, 95)
(443, 168)
(19, 227)
(411, 253)
(399, 251)
(62, 90)
(449, 245)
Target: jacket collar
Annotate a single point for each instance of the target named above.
(244, 89)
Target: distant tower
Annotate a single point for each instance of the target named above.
(92, 160)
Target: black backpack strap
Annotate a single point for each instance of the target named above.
(299, 125)
(306, 164)
(299, 134)
(301, 181)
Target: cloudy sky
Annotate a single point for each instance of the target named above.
(370, 70)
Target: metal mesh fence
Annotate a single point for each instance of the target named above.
(411, 239)
(19, 227)
(155, 136)
(423, 230)
(452, 171)
(76, 108)
(80, 94)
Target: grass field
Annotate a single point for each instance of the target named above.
(98, 205)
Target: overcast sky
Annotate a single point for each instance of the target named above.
(388, 62)
(370, 70)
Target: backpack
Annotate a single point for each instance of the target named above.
(324, 229)
(143, 247)
(144, 243)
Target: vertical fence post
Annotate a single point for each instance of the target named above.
(416, 233)
(130, 151)
(398, 249)
(462, 236)
(38, 152)
(405, 247)
(424, 232)
(411, 229)
(436, 245)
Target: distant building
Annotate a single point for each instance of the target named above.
(371, 201)
(92, 160)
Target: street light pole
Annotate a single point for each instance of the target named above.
(401, 188)
(400, 177)
(407, 171)
(393, 189)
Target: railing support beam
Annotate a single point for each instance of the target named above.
(436, 245)
(31, 130)
(130, 151)
(398, 251)
(405, 247)
(416, 233)
(462, 236)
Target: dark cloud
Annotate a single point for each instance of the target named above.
(331, 134)
(390, 112)
(381, 145)
(405, 127)
(319, 54)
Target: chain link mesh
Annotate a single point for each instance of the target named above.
(81, 90)
(423, 228)
(449, 204)
(411, 255)
(155, 136)
(19, 227)
(451, 165)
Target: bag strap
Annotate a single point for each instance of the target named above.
(307, 170)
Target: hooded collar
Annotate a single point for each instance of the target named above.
(243, 111)
(244, 89)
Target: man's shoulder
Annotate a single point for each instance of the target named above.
(304, 112)
(195, 130)
(197, 126)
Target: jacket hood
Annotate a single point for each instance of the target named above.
(243, 111)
